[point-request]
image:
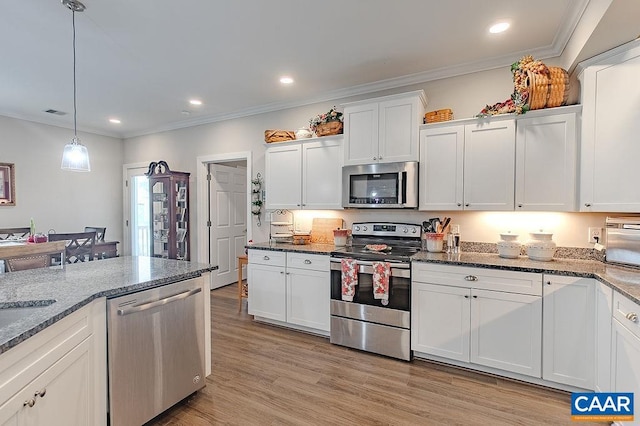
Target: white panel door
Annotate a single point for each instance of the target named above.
(489, 166)
(398, 132)
(267, 292)
(361, 134)
(506, 331)
(283, 177)
(568, 336)
(440, 320)
(228, 221)
(604, 303)
(308, 298)
(625, 363)
(441, 168)
(322, 174)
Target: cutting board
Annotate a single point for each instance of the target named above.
(322, 229)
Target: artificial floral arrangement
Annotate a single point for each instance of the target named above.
(317, 123)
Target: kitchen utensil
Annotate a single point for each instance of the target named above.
(445, 224)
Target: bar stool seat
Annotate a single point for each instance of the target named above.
(243, 288)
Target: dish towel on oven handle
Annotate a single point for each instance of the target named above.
(381, 274)
(349, 278)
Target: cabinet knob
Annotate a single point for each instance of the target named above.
(41, 393)
(474, 296)
(266, 258)
(548, 282)
(471, 278)
(29, 403)
(632, 316)
(281, 272)
(587, 204)
(374, 158)
(466, 296)
(466, 205)
(379, 158)
(459, 204)
(307, 262)
(520, 206)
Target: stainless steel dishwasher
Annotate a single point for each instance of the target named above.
(155, 350)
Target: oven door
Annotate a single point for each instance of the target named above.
(399, 285)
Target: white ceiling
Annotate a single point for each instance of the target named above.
(142, 60)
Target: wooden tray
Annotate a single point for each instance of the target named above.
(322, 229)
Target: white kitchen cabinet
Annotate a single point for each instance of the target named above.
(610, 127)
(383, 130)
(456, 315)
(625, 348)
(604, 303)
(291, 288)
(266, 283)
(568, 338)
(58, 376)
(546, 160)
(304, 175)
(468, 165)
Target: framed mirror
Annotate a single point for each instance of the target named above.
(7, 184)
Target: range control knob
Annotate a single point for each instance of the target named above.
(364, 228)
(356, 228)
(414, 230)
(405, 230)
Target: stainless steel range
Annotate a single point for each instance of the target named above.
(374, 320)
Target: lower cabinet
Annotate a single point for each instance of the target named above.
(625, 347)
(604, 303)
(58, 377)
(292, 287)
(569, 330)
(458, 321)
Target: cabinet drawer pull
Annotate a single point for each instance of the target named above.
(374, 158)
(632, 316)
(459, 204)
(41, 393)
(266, 258)
(29, 403)
(474, 296)
(520, 206)
(548, 282)
(307, 262)
(466, 296)
(587, 205)
(471, 278)
(466, 205)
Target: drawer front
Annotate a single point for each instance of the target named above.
(627, 312)
(314, 262)
(480, 278)
(267, 257)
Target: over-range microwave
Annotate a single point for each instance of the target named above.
(380, 185)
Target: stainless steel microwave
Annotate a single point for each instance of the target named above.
(380, 185)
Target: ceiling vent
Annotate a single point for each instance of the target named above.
(55, 112)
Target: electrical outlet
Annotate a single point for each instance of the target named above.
(595, 235)
(455, 229)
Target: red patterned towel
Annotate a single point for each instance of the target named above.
(381, 273)
(349, 278)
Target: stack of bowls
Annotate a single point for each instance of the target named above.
(508, 247)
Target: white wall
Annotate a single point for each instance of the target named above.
(465, 95)
(56, 199)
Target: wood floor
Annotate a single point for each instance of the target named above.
(265, 375)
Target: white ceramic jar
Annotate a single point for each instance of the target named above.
(541, 247)
(303, 133)
(508, 247)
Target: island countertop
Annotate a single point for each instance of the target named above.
(77, 285)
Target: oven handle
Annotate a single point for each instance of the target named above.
(401, 270)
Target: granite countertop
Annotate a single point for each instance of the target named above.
(75, 286)
(622, 279)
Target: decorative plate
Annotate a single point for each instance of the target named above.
(377, 247)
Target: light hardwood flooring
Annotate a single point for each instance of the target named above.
(266, 375)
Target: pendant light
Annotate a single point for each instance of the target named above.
(75, 156)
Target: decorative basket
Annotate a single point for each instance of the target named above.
(329, 128)
(438, 115)
(279, 135)
(548, 91)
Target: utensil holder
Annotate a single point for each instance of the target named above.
(432, 242)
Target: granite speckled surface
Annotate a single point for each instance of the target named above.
(569, 261)
(78, 284)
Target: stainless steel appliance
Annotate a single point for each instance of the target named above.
(380, 185)
(366, 323)
(155, 350)
(623, 240)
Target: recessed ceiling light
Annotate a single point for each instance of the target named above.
(195, 102)
(286, 80)
(114, 121)
(499, 27)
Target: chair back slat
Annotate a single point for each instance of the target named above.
(79, 246)
(14, 232)
(100, 231)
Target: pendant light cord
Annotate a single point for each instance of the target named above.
(73, 22)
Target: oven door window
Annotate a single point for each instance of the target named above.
(399, 291)
(380, 188)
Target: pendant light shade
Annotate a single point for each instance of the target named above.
(75, 156)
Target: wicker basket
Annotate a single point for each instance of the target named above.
(279, 135)
(329, 128)
(438, 115)
(548, 91)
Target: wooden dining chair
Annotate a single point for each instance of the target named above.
(79, 246)
(14, 232)
(99, 232)
(28, 262)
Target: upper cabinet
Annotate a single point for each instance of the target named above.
(524, 163)
(610, 129)
(383, 130)
(304, 175)
(546, 160)
(467, 165)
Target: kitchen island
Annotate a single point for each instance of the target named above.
(53, 345)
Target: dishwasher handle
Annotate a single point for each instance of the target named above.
(149, 305)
